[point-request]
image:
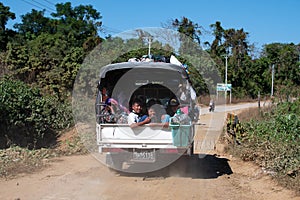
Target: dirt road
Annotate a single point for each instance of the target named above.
(84, 177)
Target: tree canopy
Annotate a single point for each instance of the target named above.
(47, 51)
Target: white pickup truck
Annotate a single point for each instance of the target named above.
(153, 144)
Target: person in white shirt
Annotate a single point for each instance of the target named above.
(135, 117)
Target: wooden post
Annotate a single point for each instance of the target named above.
(258, 99)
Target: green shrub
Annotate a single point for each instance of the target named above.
(273, 141)
(29, 119)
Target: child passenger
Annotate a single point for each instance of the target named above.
(157, 117)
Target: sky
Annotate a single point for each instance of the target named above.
(266, 21)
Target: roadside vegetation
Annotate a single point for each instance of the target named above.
(271, 137)
(29, 119)
(16, 160)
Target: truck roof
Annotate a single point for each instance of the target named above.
(143, 65)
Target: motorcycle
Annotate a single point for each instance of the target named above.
(211, 107)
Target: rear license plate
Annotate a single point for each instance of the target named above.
(143, 155)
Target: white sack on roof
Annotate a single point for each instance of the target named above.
(175, 61)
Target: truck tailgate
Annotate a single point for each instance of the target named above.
(124, 134)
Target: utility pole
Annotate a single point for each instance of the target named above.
(272, 80)
(149, 39)
(226, 57)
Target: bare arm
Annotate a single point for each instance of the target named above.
(162, 124)
(146, 121)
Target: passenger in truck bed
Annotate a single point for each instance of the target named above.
(157, 113)
(172, 107)
(136, 117)
(156, 119)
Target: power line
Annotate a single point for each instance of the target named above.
(49, 2)
(34, 5)
(108, 30)
(111, 30)
(44, 5)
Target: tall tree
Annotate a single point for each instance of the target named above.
(188, 28)
(232, 44)
(5, 34)
(236, 41)
(33, 24)
(285, 58)
(218, 32)
(78, 23)
(5, 15)
(217, 49)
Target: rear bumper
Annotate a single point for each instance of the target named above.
(130, 150)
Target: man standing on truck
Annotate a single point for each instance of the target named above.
(135, 117)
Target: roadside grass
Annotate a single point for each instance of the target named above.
(17, 160)
(270, 137)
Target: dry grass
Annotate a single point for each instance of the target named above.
(17, 160)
